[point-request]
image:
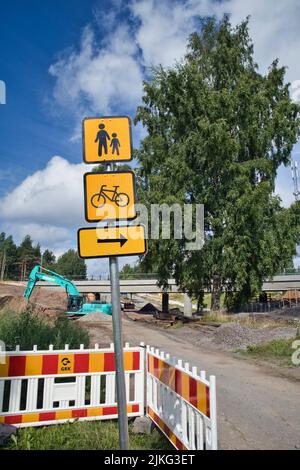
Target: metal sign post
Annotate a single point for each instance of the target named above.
(118, 347)
(108, 139)
(119, 355)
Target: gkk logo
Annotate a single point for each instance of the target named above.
(2, 92)
(65, 364)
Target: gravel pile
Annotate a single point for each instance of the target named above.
(234, 336)
(96, 317)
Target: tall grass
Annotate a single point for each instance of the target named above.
(28, 329)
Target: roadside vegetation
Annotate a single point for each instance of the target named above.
(249, 321)
(16, 260)
(94, 435)
(28, 329)
(277, 350)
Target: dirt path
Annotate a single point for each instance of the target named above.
(257, 408)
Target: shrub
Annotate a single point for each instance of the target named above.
(28, 329)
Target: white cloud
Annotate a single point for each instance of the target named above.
(106, 77)
(274, 27)
(99, 78)
(49, 206)
(295, 91)
(165, 26)
(52, 196)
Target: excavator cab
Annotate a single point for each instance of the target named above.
(75, 303)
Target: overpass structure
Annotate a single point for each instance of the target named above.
(150, 286)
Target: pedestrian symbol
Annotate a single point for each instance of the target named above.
(107, 139)
(102, 137)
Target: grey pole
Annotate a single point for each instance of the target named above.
(119, 357)
(118, 347)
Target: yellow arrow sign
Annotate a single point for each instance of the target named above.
(109, 196)
(107, 139)
(103, 242)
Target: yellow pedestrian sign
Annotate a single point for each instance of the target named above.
(103, 242)
(107, 139)
(109, 196)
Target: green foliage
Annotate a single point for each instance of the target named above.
(218, 131)
(28, 329)
(48, 259)
(84, 436)
(8, 256)
(70, 265)
(29, 253)
(14, 259)
(119, 167)
(129, 272)
(278, 349)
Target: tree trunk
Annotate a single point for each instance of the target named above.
(216, 292)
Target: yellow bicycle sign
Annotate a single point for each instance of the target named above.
(109, 196)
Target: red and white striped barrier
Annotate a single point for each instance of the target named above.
(46, 387)
(49, 387)
(181, 402)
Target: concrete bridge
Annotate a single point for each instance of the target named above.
(149, 286)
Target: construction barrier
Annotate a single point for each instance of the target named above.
(181, 402)
(47, 387)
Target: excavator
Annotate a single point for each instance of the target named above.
(76, 305)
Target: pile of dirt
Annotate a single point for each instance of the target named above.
(233, 336)
(148, 309)
(45, 302)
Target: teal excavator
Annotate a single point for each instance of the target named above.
(76, 305)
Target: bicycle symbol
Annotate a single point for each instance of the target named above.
(99, 199)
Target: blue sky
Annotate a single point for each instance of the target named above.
(32, 33)
(65, 59)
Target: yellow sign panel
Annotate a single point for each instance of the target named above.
(103, 242)
(65, 364)
(107, 139)
(109, 196)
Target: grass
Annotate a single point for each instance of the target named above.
(94, 435)
(247, 321)
(278, 350)
(27, 329)
(218, 317)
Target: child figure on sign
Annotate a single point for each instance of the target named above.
(115, 144)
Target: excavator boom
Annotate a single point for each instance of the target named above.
(39, 273)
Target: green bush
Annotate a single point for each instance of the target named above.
(28, 329)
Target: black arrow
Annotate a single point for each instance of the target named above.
(122, 240)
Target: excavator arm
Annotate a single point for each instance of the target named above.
(39, 273)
